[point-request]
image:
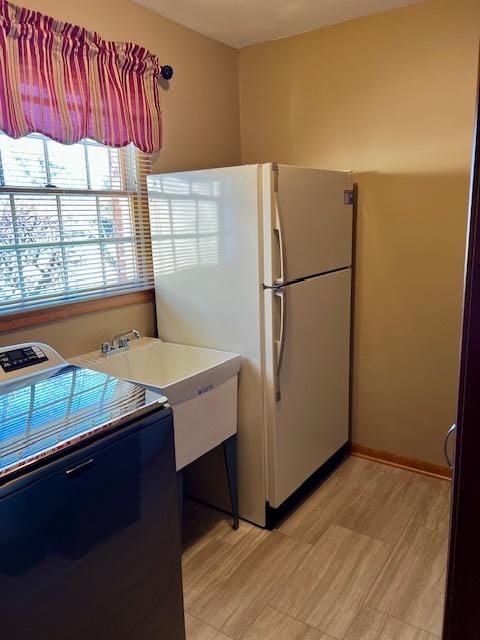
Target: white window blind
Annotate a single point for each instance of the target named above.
(73, 222)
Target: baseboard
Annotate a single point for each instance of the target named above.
(403, 462)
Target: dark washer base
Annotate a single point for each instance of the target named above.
(90, 543)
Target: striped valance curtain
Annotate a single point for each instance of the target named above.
(68, 83)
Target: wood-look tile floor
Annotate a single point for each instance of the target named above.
(362, 558)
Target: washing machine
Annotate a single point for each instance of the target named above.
(89, 521)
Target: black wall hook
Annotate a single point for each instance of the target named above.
(166, 71)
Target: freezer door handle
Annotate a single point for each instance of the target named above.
(278, 230)
(280, 343)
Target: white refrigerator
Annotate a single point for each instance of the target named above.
(256, 259)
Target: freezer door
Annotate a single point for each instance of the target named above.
(308, 361)
(307, 226)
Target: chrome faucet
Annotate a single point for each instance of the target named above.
(123, 338)
(121, 342)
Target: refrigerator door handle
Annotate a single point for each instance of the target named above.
(278, 230)
(280, 343)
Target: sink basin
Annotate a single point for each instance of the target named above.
(180, 372)
(200, 384)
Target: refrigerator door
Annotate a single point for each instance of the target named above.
(308, 370)
(307, 226)
(206, 243)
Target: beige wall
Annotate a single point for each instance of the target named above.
(390, 96)
(201, 129)
(84, 333)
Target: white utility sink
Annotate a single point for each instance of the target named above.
(200, 384)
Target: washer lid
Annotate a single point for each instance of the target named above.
(56, 409)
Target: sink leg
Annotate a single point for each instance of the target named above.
(230, 454)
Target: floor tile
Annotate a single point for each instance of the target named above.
(373, 625)
(209, 558)
(383, 504)
(411, 586)
(200, 520)
(378, 533)
(397, 630)
(367, 625)
(371, 498)
(198, 630)
(433, 510)
(329, 587)
(275, 625)
(238, 587)
(199, 560)
(309, 521)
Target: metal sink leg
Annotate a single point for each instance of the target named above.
(230, 454)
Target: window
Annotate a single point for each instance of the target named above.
(73, 222)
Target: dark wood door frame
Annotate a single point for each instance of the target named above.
(462, 606)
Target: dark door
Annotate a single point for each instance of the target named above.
(462, 610)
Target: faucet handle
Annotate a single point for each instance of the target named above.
(119, 342)
(106, 347)
(122, 339)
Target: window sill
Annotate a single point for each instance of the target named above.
(34, 317)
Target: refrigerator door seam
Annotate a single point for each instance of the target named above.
(310, 277)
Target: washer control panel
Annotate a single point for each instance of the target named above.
(24, 356)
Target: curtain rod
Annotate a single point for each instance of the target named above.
(166, 71)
